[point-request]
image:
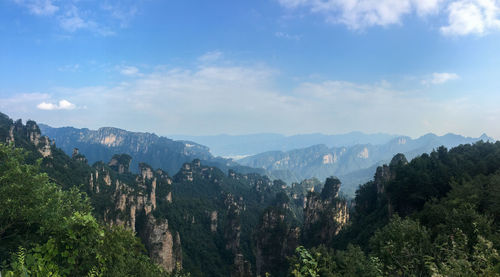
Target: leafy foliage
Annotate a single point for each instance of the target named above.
(306, 265)
(47, 231)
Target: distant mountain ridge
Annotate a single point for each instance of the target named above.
(244, 145)
(353, 165)
(158, 151)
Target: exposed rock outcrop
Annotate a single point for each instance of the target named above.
(133, 199)
(163, 246)
(325, 214)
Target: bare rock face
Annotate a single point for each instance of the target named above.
(163, 246)
(10, 138)
(133, 199)
(146, 172)
(213, 221)
(325, 214)
(45, 147)
(42, 143)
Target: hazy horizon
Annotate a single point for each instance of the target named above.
(179, 136)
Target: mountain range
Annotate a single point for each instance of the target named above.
(352, 157)
(236, 146)
(353, 165)
(435, 215)
(158, 151)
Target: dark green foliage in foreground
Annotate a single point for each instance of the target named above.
(47, 231)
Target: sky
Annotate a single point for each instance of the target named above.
(405, 67)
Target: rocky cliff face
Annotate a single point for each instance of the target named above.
(325, 214)
(157, 151)
(102, 144)
(163, 246)
(121, 198)
(26, 136)
(131, 199)
(200, 210)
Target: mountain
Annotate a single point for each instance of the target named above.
(201, 219)
(159, 152)
(244, 145)
(354, 164)
(436, 215)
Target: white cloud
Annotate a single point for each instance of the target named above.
(440, 78)
(211, 99)
(464, 16)
(472, 17)
(129, 70)
(62, 105)
(39, 7)
(426, 7)
(358, 14)
(229, 98)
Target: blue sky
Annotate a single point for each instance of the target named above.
(286, 66)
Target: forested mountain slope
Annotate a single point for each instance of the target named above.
(159, 152)
(200, 220)
(353, 164)
(437, 215)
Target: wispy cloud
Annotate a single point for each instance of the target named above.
(360, 14)
(122, 13)
(62, 105)
(39, 7)
(464, 16)
(129, 70)
(72, 21)
(69, 68)
(286, 36)
(211, 56)
(229, 98)
(440, 78)
(73, 16)
(22, 102)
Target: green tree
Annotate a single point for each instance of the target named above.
(47, 231)
(305, 264)
(402, 246)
